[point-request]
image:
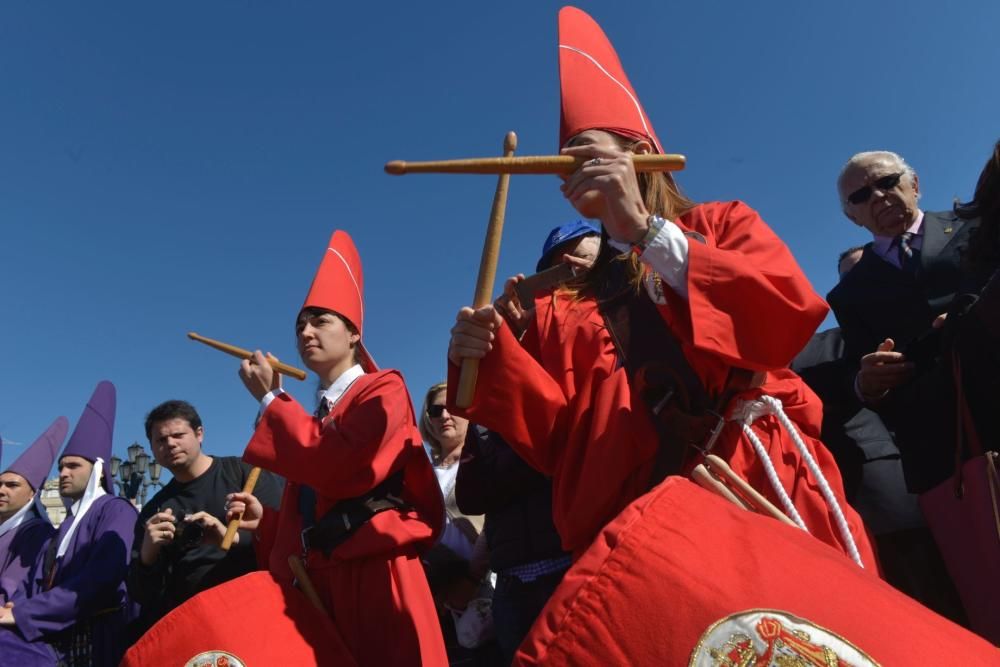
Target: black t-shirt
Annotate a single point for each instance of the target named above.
(187, 567)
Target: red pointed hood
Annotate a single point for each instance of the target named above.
(339, 286)
(596, 94)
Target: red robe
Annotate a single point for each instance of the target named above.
(373, 584)
(562, 401)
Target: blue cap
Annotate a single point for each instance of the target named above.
(560, 235)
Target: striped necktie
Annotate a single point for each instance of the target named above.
(909, 257)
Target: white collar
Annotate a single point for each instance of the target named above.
(19, 517)
(336, 391)
(78, 509)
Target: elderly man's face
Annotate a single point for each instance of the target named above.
(888, 210)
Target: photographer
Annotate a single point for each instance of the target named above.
(175, 553)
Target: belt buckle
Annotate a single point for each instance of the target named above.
(713, 436)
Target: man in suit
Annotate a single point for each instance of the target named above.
(906, 277)
(870, 465)
(890, 303)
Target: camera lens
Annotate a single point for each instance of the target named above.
(191, 536)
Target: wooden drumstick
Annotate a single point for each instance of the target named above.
(240, 353)
(708, 481)
(234, 523)
(747, 492)
(527, 164)
(305, 583)
(487, 272)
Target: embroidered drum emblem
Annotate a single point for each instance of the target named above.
(215, 659)
(771, 638)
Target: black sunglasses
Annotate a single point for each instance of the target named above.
(861, 195)
(435, 411)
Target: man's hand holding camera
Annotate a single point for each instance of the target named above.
(186, 531)
(211, 529)
(160, 531)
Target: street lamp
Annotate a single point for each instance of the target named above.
(136, 475)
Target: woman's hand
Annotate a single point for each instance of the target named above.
(258, 376)
(247, 505)
(606, 187)
(473, 334)
(509, 305)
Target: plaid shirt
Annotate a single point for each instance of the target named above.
(531, 571)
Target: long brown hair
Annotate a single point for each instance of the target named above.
(663, 197)
(983, 255)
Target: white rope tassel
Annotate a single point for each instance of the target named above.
(776, 408)
(747, 413)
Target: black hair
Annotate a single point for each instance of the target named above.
(983, 255)
(172, 410)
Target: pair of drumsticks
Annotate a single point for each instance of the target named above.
(716, 476)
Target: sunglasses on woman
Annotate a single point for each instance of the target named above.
(435, 411)
(861, 195)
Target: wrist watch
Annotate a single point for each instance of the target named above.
(655, 225)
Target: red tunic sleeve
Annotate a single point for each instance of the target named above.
(748, 301)
(517, 398)
(345, 456)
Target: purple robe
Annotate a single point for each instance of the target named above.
(19, 549)
(88, 592)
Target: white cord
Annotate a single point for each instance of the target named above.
(749, 412)
(772, 476)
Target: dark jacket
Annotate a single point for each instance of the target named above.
(516, 499)
(876, 300)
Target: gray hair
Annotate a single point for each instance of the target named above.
(859, 159)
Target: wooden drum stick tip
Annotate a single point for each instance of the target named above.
(395, 167)
(510, 142)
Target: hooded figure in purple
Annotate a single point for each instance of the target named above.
(76, 609)
(24, 523)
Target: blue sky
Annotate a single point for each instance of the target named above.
(167, 167)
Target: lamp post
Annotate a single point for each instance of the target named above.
(134, 476)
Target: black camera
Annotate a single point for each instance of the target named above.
(187, 536)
